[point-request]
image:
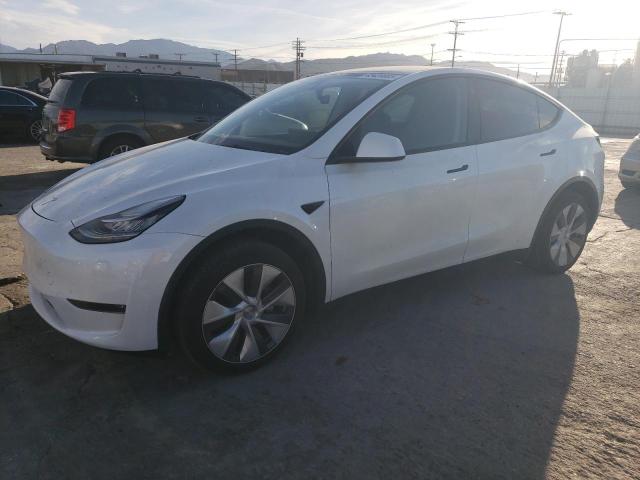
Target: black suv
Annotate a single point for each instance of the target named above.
(94, 115)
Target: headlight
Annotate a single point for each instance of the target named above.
(126, 224)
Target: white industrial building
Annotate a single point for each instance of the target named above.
(18, 69)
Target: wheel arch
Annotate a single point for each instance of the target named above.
(288, 238)
(100, 141)
(582, 185)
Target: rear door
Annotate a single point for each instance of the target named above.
(391, 220)
(174, 107)
(109, 102)
(519, 159)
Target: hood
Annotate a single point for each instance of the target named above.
(146, 174)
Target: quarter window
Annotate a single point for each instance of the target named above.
(547, 112)
(428, 115)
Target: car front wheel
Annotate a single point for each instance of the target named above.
(239, 305)
(562, 234)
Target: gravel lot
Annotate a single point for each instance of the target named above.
(486, 370)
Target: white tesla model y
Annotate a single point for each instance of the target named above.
(323, 187)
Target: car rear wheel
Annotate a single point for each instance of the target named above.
(240, 305)
(563, 234)
(118, 145)
(34, 130)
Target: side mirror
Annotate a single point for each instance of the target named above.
(375, 147)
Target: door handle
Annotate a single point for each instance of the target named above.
(459, 169)
(550, 152)
(201, 120)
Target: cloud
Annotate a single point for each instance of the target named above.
(20, 28)
(64, 6)
(128, 8)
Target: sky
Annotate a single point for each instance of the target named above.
(265, 28)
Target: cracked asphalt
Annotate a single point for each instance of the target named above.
(485, 370)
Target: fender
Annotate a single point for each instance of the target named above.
(317, 275)
(586, 185)
(118, 129)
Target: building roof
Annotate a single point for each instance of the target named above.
(74, 59)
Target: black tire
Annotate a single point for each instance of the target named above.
(206, 275)
(31, 128)
(111, 144)
(540, 254)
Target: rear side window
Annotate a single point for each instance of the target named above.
(170, 95)
(59, 91)
(20, 100)
(507, 111)
(8, 98)
(428, 115)
(112, 92)
(221, 100)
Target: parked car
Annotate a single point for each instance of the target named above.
(320, 188)
(21, 113)
(94, 115)
(629, 173)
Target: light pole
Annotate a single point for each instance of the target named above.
(432, 45)
(555, 52)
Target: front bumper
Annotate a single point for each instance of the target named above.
(133, 274)
(630, 168)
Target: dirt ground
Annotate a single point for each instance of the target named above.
(486, 370)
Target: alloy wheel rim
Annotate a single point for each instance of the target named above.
(249, 313)
(568, 234)
(120, 149)
(36, 129)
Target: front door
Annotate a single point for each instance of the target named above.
(392, 220)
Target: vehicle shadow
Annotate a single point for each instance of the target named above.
(460, 373)
(17, 191)
(627, 206)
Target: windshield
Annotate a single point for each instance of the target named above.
(293, 116)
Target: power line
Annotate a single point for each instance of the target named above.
(505, 15)
(377, 44)
(420, 27)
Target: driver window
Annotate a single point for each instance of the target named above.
(427, 115)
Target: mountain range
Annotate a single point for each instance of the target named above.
(169, 49)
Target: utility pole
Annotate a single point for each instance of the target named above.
(560, 69)
(235, 59)
(518, 72)
(555, 51)
(297, 45)
(215, 54)
(179, 55)
(455, 34)
(432, 45)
